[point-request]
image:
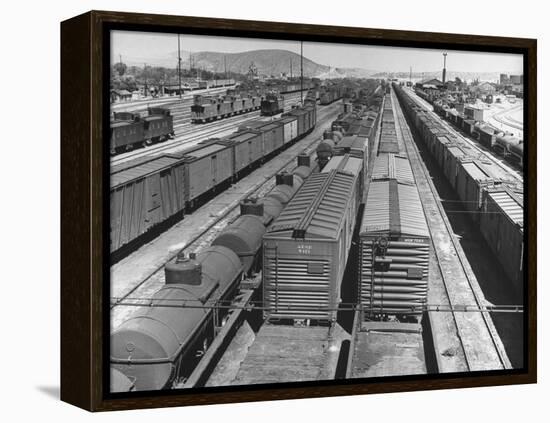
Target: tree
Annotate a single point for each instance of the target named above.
(120, 68)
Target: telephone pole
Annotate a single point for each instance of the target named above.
(225, 66)
(290, 67)
(302, 72)
(179, 64)
(444, 66)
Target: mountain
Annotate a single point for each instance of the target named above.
(267, 62)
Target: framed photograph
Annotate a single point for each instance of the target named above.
(259, 211)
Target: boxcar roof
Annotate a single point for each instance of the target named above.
(392, 166)
(140, 170)
(511, 205)
(243, 136)
(318, 208)
(395, 209)
(205, 151)
(345, 163)
(485, 170)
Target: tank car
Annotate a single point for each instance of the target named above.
(156, 346)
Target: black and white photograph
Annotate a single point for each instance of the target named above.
(289, 211)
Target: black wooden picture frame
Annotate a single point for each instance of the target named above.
(84, 215)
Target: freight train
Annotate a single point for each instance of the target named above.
(150, 193)
(131, 130)
(209, 108)
(492, 197)
(157, 347)
(502, 143)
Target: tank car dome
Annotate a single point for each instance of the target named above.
(184, 270)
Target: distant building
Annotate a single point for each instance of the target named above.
(516, 79)
(430, 83)
(485, 88)
(120, 95)
(504, 80)
(473, 112)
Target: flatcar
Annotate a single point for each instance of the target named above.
(158, 345)
(272, 104)
(306, 248)
(130, 130)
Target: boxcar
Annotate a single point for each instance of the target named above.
(502, 227)
(206, 167)
(475, 176)
(247, 149)
(394, 252)
(486, 136)
(306, 249)
(290, 128)
(516, 154)
(273, 134)
(453, 155)
(143, 195)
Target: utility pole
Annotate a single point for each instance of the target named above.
(145, 77)
(179, 64)
(444, 66)
(224, 66)
(302, 72)
(290, 67)
(410, 75)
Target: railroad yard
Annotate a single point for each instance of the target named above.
(336, 229)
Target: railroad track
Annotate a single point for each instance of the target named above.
(146, 286)
(193, 135)
(483, 150)
(479, 340)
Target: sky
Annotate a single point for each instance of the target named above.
(155, 48)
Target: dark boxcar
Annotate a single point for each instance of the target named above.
(473, 178)
(502, 227)
(516, 154)
(272, 104)
(206, 167)
(453, 155)
(394, 252)
(305, 250)
(144, 194)
(486, 136)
